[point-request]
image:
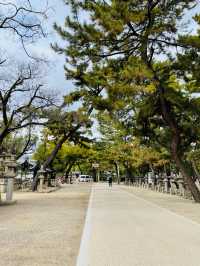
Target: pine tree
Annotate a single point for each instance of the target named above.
(145, 39)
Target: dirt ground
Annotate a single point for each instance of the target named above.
(43, 229)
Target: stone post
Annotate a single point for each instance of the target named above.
(41, 173)
(146, 182)
(98, 176)
(181, 186)
(173, 189)
(166, 188)
(159, 184)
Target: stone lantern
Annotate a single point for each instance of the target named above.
(41, 177)
(162, 180)
(166, 184)
(10, 169)
(181, 185)
(7, 174)
(2, 181)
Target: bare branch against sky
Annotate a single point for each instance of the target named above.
(56, 11)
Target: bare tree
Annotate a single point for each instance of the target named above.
(23, 20)
(22, 100)
(28, 142)
(20, 144)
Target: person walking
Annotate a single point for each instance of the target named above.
(110, 181)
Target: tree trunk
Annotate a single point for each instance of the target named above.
(169, 119)
(187, 177)
(65, 138)
(3, 135)
(128, 172)
(62, 140)
(117, 172)
(53, 154)
(176, 139)
(25, 146)
(196, 171)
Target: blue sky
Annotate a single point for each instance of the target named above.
(56, 74)
(12, 49)
(55, 78)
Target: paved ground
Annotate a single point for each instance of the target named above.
(176, 204)
(43, 229)
(124, 229)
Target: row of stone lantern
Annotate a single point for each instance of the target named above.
(8, 169)
(174, 185)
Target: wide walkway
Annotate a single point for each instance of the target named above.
(123, 229)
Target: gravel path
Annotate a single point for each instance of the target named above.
(43, 229)
(124, 229)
